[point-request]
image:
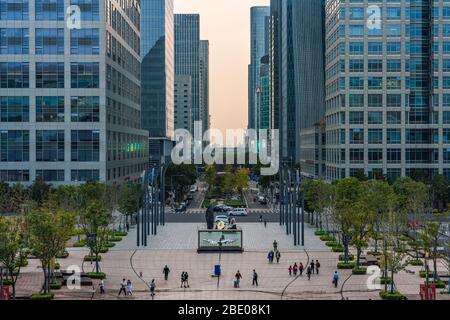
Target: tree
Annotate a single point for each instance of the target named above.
(381, 199)
(12, 245)
(241, 179)
(431, 237)
(440, 192)
(394, 259)
(228, 181)
(95, 219)
(128, 199)
(211, 175)
(48, 231)
(181, 178)
(39, 191)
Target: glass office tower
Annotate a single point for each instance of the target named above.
(187, 58)
(387, 88)
(70, 93)
(157, 54)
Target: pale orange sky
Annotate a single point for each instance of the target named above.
(226, 24)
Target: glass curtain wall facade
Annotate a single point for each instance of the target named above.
(187, 56)
(70, 97)
(387, 88)
(259, 47)
(204, 84)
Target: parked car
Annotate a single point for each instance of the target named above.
(238, 212)
(221, 218)
(194, 188)
(222, 208)
(182, 208)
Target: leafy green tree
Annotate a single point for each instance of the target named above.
(211, 175)
(128, 199)
(48, 231)
(180, 178)
(96, 219)
(241, 179)
(12, 245)
(394, 258)
(381, 199)
(228, 181)
(432, 237)
(39, 191)
(440, 189)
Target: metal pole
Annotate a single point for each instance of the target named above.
(303, 219)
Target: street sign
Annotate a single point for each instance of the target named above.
(431, 292)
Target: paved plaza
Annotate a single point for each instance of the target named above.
(175, 246)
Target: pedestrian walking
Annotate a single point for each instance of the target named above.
(278, 256)
(312, 266)
(152, 288)
(295, 269)
(123, 287)
(290, 271)
(270, 256)
(260, 218)
(129, 287)
(128, 227)
(186, 279)
(317, 266)
(301, 268)
(335, 279)
(166, 271)
(275, 245)
(238, 278)
(265, 223)
(308, 272)
(101, 285)
(255, 278)
(183, 282)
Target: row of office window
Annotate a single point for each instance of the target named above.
(50, 175)
(49, 109)
(47, 10)
(15, 145)
(84, 75)
(393, 156)
(394, 136)
(49, 41)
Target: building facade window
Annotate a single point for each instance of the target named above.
(49, 145)
(84, 75)
(50, 175)
(85, 175)
(14, 75)
(14, 175)
(49, 41)
(14, 109)
(85, 145)
(14, 145)
(13, 10)
(50, 75)
(85, 109)
(84, 41)
(49, 109)
(51, 10)
(89, 9)
(14, 41)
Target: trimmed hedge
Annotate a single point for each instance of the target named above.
(416, 262)
(103, 250)
(41, 296)
(343, 265)
(120, 233)
(391, 296)
(438, 284)
(331, 243)
(63, 255)
(359, 270)
(109, 244)
(384, 280)
(55, 285)
(88, 258)
(80, 243)
(338, 249)
(320, 233)
(423, 274)
(115, 239)
(327, 237)
(95, 275)
(351, 257)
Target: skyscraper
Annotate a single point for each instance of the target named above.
(387, 87)
(157, 74)
(259, 47)
(308, 54)
(183, 102)
(264, 119)
(187, 59)
(204, 84)
(70, 97)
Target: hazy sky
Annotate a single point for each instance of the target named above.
(226, 24)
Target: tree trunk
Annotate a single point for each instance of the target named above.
(358, 254)
(392, 280)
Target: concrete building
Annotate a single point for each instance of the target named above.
(387, 88)
(70, 98)
(183, 102)
(259, 47)
(187, 58)
(157, 53)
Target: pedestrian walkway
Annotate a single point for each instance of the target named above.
(182, 236)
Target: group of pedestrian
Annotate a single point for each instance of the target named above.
(275, 253)
(312, 268)
(237, 279)
(184, 280)
(125, 286)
